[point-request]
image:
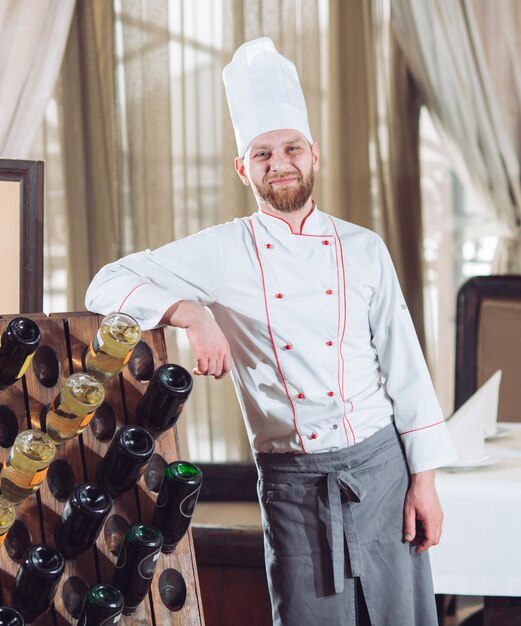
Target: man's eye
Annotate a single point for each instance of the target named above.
(293, 148)
(262, 155)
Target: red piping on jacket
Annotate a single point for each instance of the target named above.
(129, 294)
(272, 338)
(413, 430)
(341, 342)
(300, 234)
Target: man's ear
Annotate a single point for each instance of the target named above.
(315, 156)
(240, 168)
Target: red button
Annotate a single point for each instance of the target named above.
(326, 242)
(329, 292)
(288, 346)
(329, 343)
(330, 393)
(269, 245)
(279, 295)
(300, 396)
(313, 435)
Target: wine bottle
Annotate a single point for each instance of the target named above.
(6, 519)
(73, 408)
(18, 344)
(10, 617)
(136, 564)
(27, 465)
(176, 502)
(112, 346)
(102, 606)
(125, 460)
(36, 581)
(82, 519)
(165, 397)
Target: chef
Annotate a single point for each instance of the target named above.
(308, 316)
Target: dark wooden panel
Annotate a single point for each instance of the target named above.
(227, 482)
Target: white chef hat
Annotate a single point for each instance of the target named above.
(263, 92)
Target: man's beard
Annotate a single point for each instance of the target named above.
(291, 198)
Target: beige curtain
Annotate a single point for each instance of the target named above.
(446, 53)
(373, 167)
(32, 41)
(89, 144)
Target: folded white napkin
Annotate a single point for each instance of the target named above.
(475, 420)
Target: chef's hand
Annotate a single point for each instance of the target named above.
(422, 515)
(209, 345)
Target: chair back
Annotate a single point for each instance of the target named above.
(488, 338)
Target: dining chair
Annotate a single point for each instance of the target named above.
(488, 338)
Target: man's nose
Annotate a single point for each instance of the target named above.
(280, 161)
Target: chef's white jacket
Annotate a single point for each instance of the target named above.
(324, 350)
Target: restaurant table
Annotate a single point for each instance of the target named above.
(480, 549)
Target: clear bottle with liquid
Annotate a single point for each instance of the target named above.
(7, 518)
(73, 408)
(26, 466)
(18, 343)
(111, 348)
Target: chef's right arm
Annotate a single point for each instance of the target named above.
(170, 285)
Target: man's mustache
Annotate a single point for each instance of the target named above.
(296, 175)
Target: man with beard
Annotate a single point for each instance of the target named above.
(308, 316)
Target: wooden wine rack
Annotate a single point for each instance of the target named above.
(174, 598)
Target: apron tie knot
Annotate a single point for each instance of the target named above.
(342, 521)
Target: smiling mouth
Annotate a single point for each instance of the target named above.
(283, 181)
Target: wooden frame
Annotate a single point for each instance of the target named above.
(29, 175)
(470, 297)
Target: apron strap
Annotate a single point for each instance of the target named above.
(337, 483)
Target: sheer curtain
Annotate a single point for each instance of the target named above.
(457, 75)
(32, 41)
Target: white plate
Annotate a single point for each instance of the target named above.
(468, 467)
(501, 431)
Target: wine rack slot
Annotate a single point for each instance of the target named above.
(174, 598)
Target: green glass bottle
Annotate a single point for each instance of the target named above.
(102, 606)
(10, 617)
(137, 561)
(18, 343)
(36, 581)
(176, 501)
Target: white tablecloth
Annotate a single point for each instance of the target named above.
(480, 550)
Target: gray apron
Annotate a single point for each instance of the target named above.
(332, 517)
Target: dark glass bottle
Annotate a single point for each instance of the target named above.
(82, 519)
(125, 460)
(176, 501)
(10, 617)
(165, 397)
(136, 564)
(102, 606)
(18, 344)
(36, 581)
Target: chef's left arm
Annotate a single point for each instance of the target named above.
(417, 413)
